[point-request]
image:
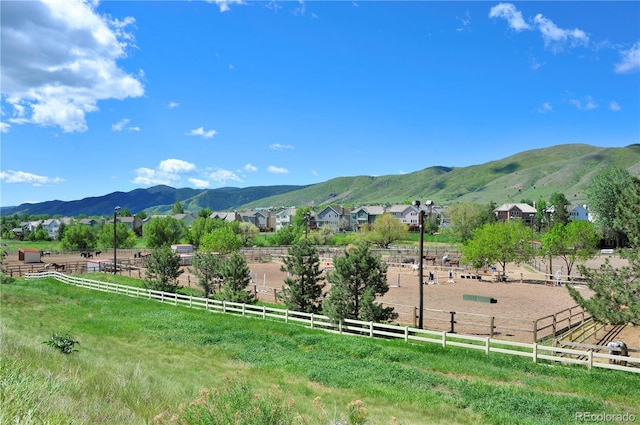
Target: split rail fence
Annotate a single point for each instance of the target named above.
(535, 351)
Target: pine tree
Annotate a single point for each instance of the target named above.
(236, 277)
(359, 278)
(206, 267)
(163, 270)
(303, 288)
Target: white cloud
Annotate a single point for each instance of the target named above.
(314, 172)
(231, 67)
(556, 37)
(167, 172)
(224, 4)
(11, 176)
(172, 105)
(147, 177)
(134, 128)
(277, 170)
(59, 59)
(250, 168)
(512, 15)
(4, 127)
(176, 166)
(223, 176)
(198, 183)
(546, 107)
(200, 131)
(630, 61)
(614, 106)
(587, 105)
(280, 147)
(120, 125)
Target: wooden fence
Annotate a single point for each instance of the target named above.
(534, 351)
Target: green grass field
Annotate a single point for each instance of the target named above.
(141, 362)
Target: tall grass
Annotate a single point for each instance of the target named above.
(142, 362)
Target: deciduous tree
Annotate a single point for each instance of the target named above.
(499, 243)
(386, 230)
(79, 237)
(222, 240)
(125, 237)
(164, 231)
(304, 283)
(359, 277)
(576, 240)
(604, 193)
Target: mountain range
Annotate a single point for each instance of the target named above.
(533, 174)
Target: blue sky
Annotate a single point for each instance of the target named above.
(114, 96)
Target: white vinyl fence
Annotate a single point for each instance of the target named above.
(535, 351)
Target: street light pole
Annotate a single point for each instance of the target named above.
(421, 266)
(116, 210)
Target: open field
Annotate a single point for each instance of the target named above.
(518, 304)
(140, 360)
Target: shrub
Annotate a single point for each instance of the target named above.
(63, 342)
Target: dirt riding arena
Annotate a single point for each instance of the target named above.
(519, 309)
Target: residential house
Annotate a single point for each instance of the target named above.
(336, 217)
(228, 216)
(51, 226)
(133, 223)
(524, 212)
(407, 214)
(186, 218)
(91, 222)
(578, 212)
(366, 215)
(284, 218)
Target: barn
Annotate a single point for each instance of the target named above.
(29, 255)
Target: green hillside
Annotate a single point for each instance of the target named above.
(532, 174)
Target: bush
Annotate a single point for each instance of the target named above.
(63, 342)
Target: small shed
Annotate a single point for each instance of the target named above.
(185, 259)
(29, 255)
(182, 248)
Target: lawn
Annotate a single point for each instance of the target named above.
(142, 362)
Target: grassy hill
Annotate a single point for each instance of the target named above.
(532, 174)
(139, 361)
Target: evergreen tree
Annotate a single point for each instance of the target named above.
(560, 213)
(303, 288)
(163, 270)
(359, 278)
(616, 290)
(177, 208)
(236, 276)
(206, 266)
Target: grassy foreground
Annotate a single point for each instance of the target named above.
(141, 362)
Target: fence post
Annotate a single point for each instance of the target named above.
(590, 358)
(264, 312)
(311, 320)
(340, 327)
(444, 339)
(224, 306)
(371, 329)
(535, 331)
(415, 315)
(453, 321)
(406, 334)
(286, 316)
(487, 345)
(535, 352)
(554, 325)
(493, 321)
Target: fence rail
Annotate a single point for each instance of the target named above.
(535, 351)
